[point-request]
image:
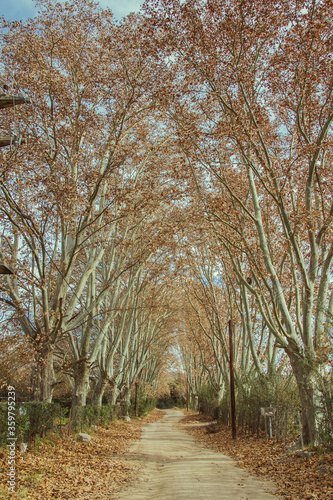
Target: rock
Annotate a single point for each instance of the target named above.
(126, 418)
(23, 447)
(85, 438)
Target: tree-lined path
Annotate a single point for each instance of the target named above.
(168, 222)
(177, 467)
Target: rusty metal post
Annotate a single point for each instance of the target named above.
(136, 399)
(187, 391)
(232, 383)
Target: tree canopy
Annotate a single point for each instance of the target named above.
(177, 174)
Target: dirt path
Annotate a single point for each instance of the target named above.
(175, 467)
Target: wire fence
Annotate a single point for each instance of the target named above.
(276, 415)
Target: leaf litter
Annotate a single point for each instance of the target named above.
(61, 468)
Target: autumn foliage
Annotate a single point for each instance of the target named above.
(177, 175)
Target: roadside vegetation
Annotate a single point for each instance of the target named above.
(59, 466)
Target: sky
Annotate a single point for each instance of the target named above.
(23, 9)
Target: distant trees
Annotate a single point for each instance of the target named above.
(212, 296)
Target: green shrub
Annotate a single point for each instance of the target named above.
(83, 417)
(144, 404)
(207, 400)
(31, 419)
(253, 393)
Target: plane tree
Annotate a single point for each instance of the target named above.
(252, 104)
(91, 134)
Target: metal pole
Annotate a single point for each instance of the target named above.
(187, 391)
(136, 399)
(232, 383)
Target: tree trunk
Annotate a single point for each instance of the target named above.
(114, 392)
(136, 398)
(127, 400)
(81, 383)
(99, 391)
(219, 399)
(309, 397)
(328, 402)
(42, 376)
(195, 402)
(127, 395)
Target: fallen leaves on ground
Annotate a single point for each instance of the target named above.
(296, 478)
(63, 468)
